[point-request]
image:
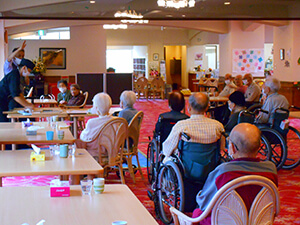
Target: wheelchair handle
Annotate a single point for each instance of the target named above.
(261, 110)
(186, 136)
(282, 109)
(295, 107)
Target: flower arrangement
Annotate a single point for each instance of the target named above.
(154, 73)
(297, 84)
(40, 66)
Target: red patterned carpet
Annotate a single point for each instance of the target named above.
(289, 180)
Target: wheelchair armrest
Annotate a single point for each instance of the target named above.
(186, 136)
(294, 107)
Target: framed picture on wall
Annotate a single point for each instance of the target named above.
(54, 58)
(281, 54)
(155, 56)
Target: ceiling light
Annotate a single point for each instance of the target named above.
(226, 3)
(135, 21)
(92, 2)
(115, 26)
(176, 3)
(131, 14)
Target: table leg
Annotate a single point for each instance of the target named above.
(74, 179)
(0, 181)
(64, 177)
(75, 127)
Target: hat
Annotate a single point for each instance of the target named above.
(26, 62)
(237, 98)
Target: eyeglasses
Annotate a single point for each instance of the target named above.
(228, 139)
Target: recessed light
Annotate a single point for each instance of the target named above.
(183, 15)
(92, 2)
(226, 3)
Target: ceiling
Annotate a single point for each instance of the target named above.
(105, 9)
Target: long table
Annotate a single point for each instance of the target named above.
(31, 204)
(18, 163)
(13, 133)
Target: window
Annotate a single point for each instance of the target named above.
(62, 33)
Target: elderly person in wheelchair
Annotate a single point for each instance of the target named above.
(244, 143)
(197, 161)
(273, 100)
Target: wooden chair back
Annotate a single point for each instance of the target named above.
(141, 86)
(86, 95)
(227, 206)
(134, 130)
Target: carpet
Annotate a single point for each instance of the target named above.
(289, 180)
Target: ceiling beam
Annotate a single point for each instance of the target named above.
(276, 23)
(250, 26)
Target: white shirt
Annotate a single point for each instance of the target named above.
(228, 90)
(200, 128)
(252, 93)
(93, 128)
(8, 67)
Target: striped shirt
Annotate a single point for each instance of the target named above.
(200, 128)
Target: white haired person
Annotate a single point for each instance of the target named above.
(127, 100)
(101, 105)
(273, 100)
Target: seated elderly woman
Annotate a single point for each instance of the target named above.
(236, 104)
(77, 98)
(127, 100)
(101, 105)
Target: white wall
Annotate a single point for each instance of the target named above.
(2, 49)
(85, 53)
(191, 52)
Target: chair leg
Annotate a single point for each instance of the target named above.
(121, 173)
(139, 166)
(130, 167)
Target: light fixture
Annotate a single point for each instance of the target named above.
(130, 14)
(176, 3)
(226, 3)
(115, 26)
(92, 2)
(135, 21)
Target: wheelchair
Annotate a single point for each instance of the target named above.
(276, 139)
(186, 166)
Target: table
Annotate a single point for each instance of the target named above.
(13, 133)
(32, 204)
(37, 113)
(51, 102)
(295, 114)
(18, 163)
(76, 113)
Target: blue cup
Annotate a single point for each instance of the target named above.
(63, 150)
(49, 135)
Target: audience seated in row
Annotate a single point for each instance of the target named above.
(238, 80)
(176, 104)
(244, 143)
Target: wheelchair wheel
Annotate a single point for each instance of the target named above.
(278, 146)
(293, 155)
(151, 160)
(170, 191)
(264, 152)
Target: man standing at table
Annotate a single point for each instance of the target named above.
(10, 88)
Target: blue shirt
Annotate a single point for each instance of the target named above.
(128, 113)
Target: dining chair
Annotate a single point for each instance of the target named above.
(111, 141)
(228, 208)
(157, 86)
(141, 87)
(132, 148)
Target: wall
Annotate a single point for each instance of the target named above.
(239, 39)
(2, 49)
(191, 52)
(287, 38)
(85, 53)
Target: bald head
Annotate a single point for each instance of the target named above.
(246, 137)
(198, 103)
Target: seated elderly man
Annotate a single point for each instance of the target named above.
(238, 80)
(101, 105)
(252, 93)
(273, 100)
(244, 143)
(127, 100)
(229, 88)
(201, 130)
(77, 98)
(176, 104)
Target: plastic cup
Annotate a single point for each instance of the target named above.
(63, 151)
(49, 135)
(60, 134)
(86, 186)
(120, 222)
(99, 185)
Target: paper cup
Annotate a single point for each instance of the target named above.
(99, 185)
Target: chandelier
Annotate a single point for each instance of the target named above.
(176, 3)
(130, 14)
